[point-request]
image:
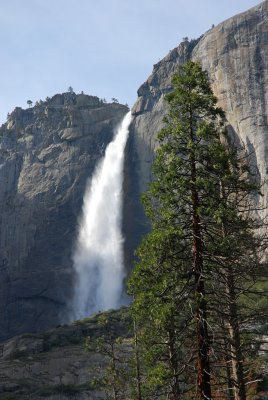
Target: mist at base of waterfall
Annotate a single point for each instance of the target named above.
(98, 256)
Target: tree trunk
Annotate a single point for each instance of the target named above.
(173, 361)
(203, 365)
(235, 345)
(230, 389)
(236, 358)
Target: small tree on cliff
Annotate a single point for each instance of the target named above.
(198, 205)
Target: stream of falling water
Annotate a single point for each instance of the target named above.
(98, 256)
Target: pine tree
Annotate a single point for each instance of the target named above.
(203, 232)
(159, 308)
(114, 369)
(236, 253)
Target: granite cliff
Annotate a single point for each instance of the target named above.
(49, 151)
(235, 54)
(47, 154)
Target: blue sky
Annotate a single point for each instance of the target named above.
(106, 48)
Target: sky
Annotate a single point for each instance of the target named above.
(105, 48)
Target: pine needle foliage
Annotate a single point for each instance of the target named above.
(204, 254)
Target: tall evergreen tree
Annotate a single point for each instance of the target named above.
(202, 233)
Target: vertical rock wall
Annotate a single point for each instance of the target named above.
(235, 54)
(47, 154)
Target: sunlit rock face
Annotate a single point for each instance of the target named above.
(47, 153)
(235, 54)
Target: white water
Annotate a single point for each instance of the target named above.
(98, 257)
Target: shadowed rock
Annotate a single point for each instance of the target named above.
(47, 154)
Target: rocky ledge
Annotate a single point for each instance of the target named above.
(55, 365)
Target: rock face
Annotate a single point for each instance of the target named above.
(55, 365)
(47, 153)
(148, 113)
(235, 54)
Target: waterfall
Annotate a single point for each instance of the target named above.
(98, 255)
